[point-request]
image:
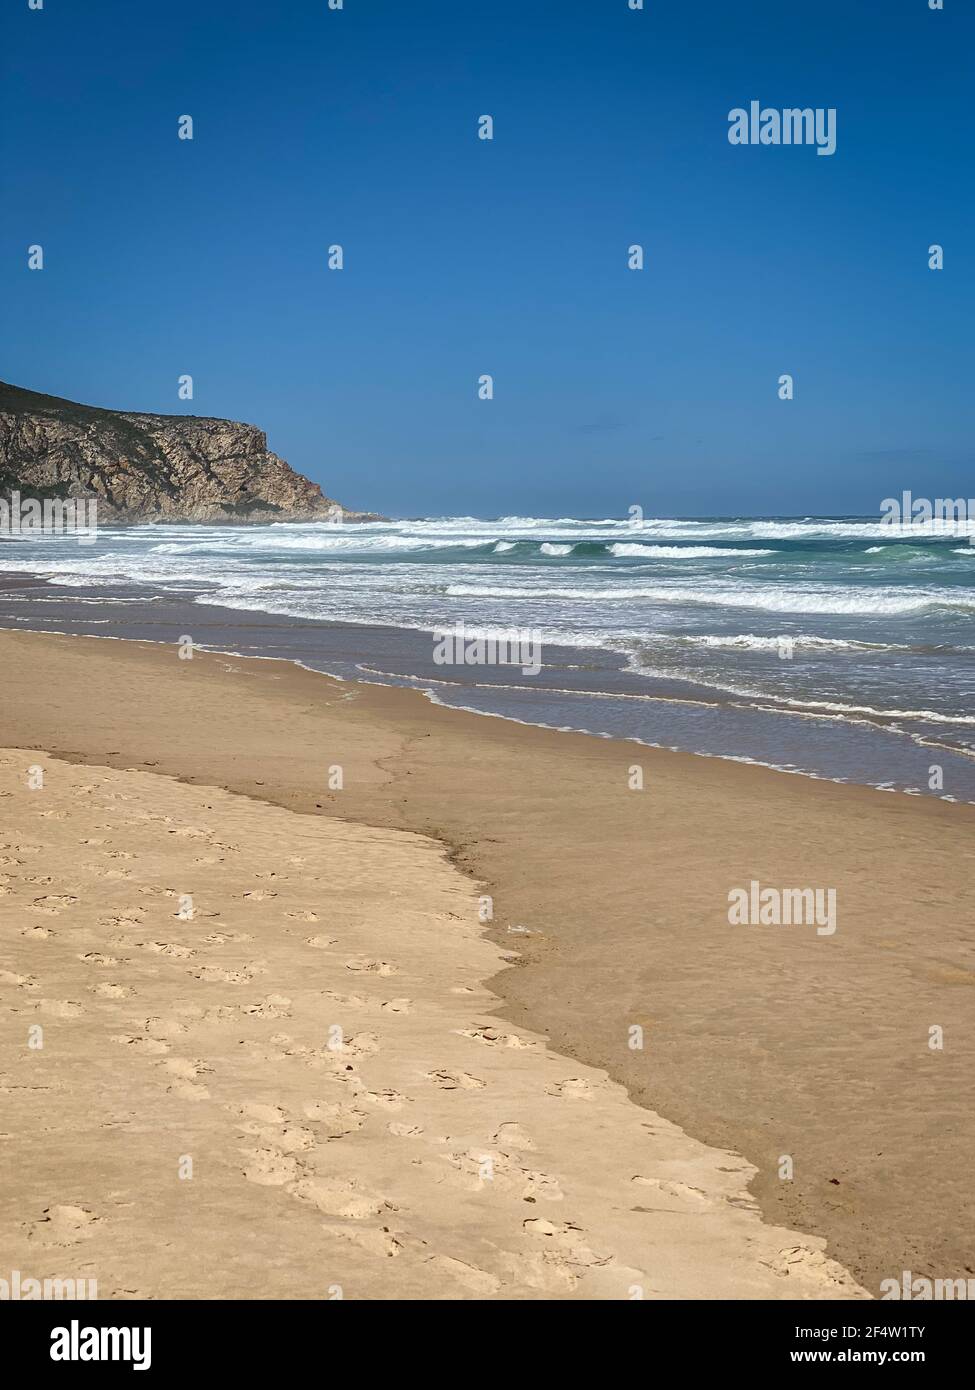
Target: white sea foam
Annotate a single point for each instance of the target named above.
(750, 641)
(682, 552)
(770, 599)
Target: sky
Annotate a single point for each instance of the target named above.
(464, 257)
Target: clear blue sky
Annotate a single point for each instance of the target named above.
(508, 257)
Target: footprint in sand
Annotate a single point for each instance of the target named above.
(186, 1069)
(513, 1136)
(188, 1090)
(336, 1121)
(131, 918)
(39, 933)
(215, 974)
(269, 1168)
(286, 1046)
(454, 1080)
(397, 1006)
(52, 903)
(564, 1239)
(8, 977)
(475, 1280)
(539, 1187)
(479, 1170)
(102, 961)
(167, 948)
(138, 1042)
(340, 1197)
(111, 991)
(165, 1028)
(258, 895)
(62, 1226)
(573, 1088)
(272, 1006)
(303, 916)
(257, 1110)
(799, 1259)
(322, 943)
(376, 1240)
(386, 1099)
(186, 1083)
(357, 1045)
(361, 966)
(485, 1033)
(60, 1008)
(220, 1013)
(350, 1001)
(290, 1139)
(560, 1258)
(277, 1132)
(402, 1131)
(679, 1190)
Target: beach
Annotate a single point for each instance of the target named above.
(645, 1067)
(302, 1090)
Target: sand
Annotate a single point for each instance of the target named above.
(250, 1054)
(762, 1042)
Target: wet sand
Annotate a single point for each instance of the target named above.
(771, 1042)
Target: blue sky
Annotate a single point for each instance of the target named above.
(463, 257)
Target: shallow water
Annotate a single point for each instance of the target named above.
(841, 648)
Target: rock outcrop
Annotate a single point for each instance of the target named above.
(150, 467)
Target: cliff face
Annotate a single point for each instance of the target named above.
(149, 467)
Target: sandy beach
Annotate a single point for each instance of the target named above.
(303, 1089)
(380, 1095)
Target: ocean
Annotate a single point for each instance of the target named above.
(837, 647)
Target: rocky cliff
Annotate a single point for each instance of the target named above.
(149, 467)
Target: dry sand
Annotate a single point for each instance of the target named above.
(250, 1054)
(758, 1040)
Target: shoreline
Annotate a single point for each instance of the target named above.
(610, 698)
(731, 1056)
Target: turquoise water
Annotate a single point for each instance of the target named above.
(713, 627)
